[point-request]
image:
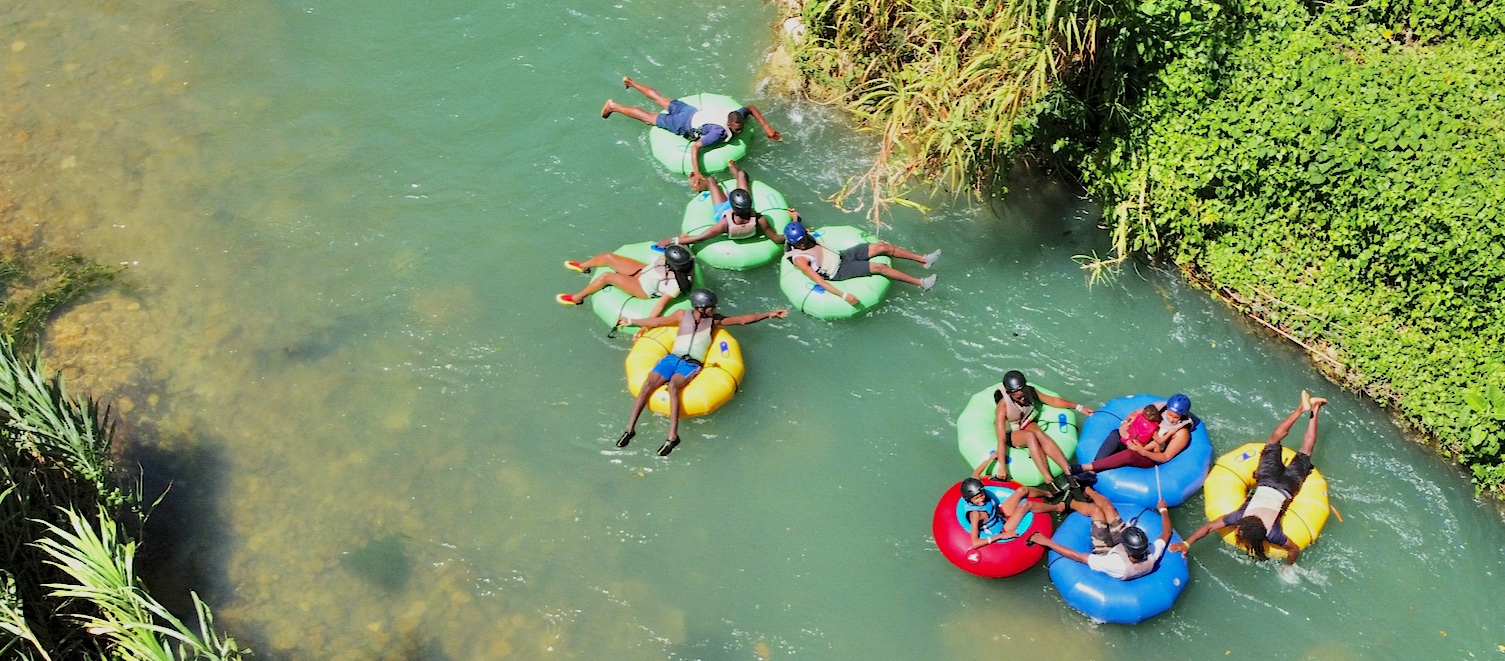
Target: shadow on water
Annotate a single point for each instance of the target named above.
(182, 538)
(315, 344)
(383, 562)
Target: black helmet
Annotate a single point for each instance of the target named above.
(741, 202)
(1136, 542)
(703, 298)
(971, 487)
(678, 258)
(1013, 381)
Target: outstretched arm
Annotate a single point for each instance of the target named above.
(768, 231)
(1165, 522)
(1292, 550)
(652, 322)
(767, 130)
(695, 160)
(1042, 540)
(658, 306)
(1199, 534)
(685, 239)
(1064, 404)
(744, 319)
(817, 278)
(977, 472)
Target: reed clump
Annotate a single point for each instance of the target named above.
(68, 587)
(953, 86)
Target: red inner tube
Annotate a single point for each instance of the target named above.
(995, 560)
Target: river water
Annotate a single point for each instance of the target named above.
(344, 224)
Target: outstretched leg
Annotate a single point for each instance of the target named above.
(1042, 540)
(1284, 427)
(1309, 441)
(616, 262)
(884, 248)
(894, 274)
(621, 281)
(652, 94)
(645, 116)
(743, 181)
(650, 384)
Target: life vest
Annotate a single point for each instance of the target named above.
(1022, 415)
(824, 260)
(994, 522)
(657, 281)
(739, 228)
(694, 338)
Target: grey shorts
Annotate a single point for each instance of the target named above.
(854, 263)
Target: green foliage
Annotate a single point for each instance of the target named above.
(68, 589)
(954, 85)
(1343, 182)
(38, 286)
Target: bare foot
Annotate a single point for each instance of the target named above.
(1306, 401)
(732, 166)
(607, 109)
(626, 83)
(1317, 403)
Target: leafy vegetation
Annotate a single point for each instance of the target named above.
(68, 587)
(951, 84)
(1333, 169)
(1340, 179)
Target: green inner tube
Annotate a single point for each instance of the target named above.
(737, 254)
(814, 300)
(610, 302)
(674, 151)
(977, 437)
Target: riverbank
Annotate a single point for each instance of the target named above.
(1328, 173)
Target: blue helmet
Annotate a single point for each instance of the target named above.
(1178, 404)
(795, 232)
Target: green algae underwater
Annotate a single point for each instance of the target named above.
(343, 227)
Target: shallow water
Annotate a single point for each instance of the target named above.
(345, 223)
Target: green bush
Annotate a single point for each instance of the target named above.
(1343, 182)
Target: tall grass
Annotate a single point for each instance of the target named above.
(951, 85)
(69, 589)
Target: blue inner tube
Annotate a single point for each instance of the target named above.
(1107, 599)
(1180, 478)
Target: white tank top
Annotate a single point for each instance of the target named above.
(694, 338)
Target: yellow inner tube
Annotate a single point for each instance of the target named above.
(1229, 483)
(710, 388)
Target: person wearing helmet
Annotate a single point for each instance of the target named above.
(1120, 550)
(1257, 521)
(824, 265)
(732, 213)
(696, 328)
(704, 129)
(987, 514)
(664, 278)
(1017, 422)
(1130, 446)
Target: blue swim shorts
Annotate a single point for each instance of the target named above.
(672, 364)
(676, 119)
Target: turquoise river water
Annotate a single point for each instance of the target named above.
(344, 224)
